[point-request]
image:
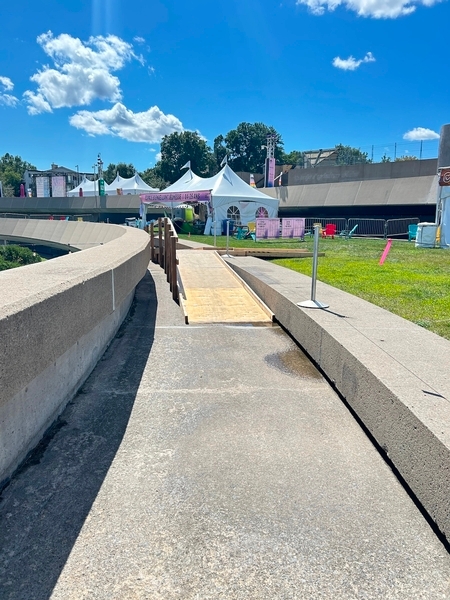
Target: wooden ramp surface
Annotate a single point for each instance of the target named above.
(213, 294)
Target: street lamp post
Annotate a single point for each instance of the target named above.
(93, 181)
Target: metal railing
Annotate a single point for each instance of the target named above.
(378, 228)
(50, 217)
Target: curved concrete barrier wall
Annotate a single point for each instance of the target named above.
(56, 320)
(391, 372)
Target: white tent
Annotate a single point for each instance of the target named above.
(234, 199)
(443, 216)
(90, 188)
(231, 197)
(131, 185)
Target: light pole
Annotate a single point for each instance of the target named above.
(95, 188)
(78, 174)
(99, 171)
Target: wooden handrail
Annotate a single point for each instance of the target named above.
(165, 252)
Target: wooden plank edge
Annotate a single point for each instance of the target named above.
(257, 299)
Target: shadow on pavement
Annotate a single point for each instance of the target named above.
(47, 502)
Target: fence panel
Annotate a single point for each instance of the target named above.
(341, 224)
(399, 227)
(368, 227)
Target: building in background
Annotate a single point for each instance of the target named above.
(55, 182)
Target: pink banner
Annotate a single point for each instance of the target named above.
(176, 197)
(267, 228)
(292, 228)
(58, 186)
(270, 172)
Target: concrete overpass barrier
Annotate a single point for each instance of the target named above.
(56, 320)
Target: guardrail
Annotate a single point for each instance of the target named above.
(164, 252)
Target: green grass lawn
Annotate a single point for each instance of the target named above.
(413, 282)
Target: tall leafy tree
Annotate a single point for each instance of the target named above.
(12, 169)
(153, 177)
(177, 149)
(246, 146)
(125, 170)
(350, 156)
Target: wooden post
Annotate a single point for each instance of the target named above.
(174, 268)
(160, 247)
(152, 242)
(166, 247)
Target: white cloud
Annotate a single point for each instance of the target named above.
(8, 100)
(139, 40)
(149, 126)
(377, 9)
(420, 133)
(350, 63)
(81, 73)
(7, 85)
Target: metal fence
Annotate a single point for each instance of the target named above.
(378, 228)
(51, 217)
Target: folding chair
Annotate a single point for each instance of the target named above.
(412, 232)
(329, 231)
(348, 234)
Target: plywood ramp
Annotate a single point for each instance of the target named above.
(212, 293)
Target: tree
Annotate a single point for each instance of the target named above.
(385, 158)
(124, 170)
(153, 177)
(295, 158)
(346, 155)
(406, 157)
(219, 149)
(246, 146)
(179, 148)
(12, 169)
(12, 256)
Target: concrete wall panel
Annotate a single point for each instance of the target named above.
(56, 320)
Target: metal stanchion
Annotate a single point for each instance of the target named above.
(313, 303)
(228, 239)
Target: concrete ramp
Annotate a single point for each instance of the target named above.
(212, 293)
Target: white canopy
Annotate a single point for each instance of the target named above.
(231, 197)
(131, 185)
(186, 182)
(90, 188)
(443, 205)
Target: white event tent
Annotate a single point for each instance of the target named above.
(131, 185)
(228, 197)
(90, 188)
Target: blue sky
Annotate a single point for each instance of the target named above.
(82, 77)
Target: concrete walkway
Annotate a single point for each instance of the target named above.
(211, 462)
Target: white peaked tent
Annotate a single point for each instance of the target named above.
(186, 182)
(131, 185)
(230, 196)
(90, 188)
